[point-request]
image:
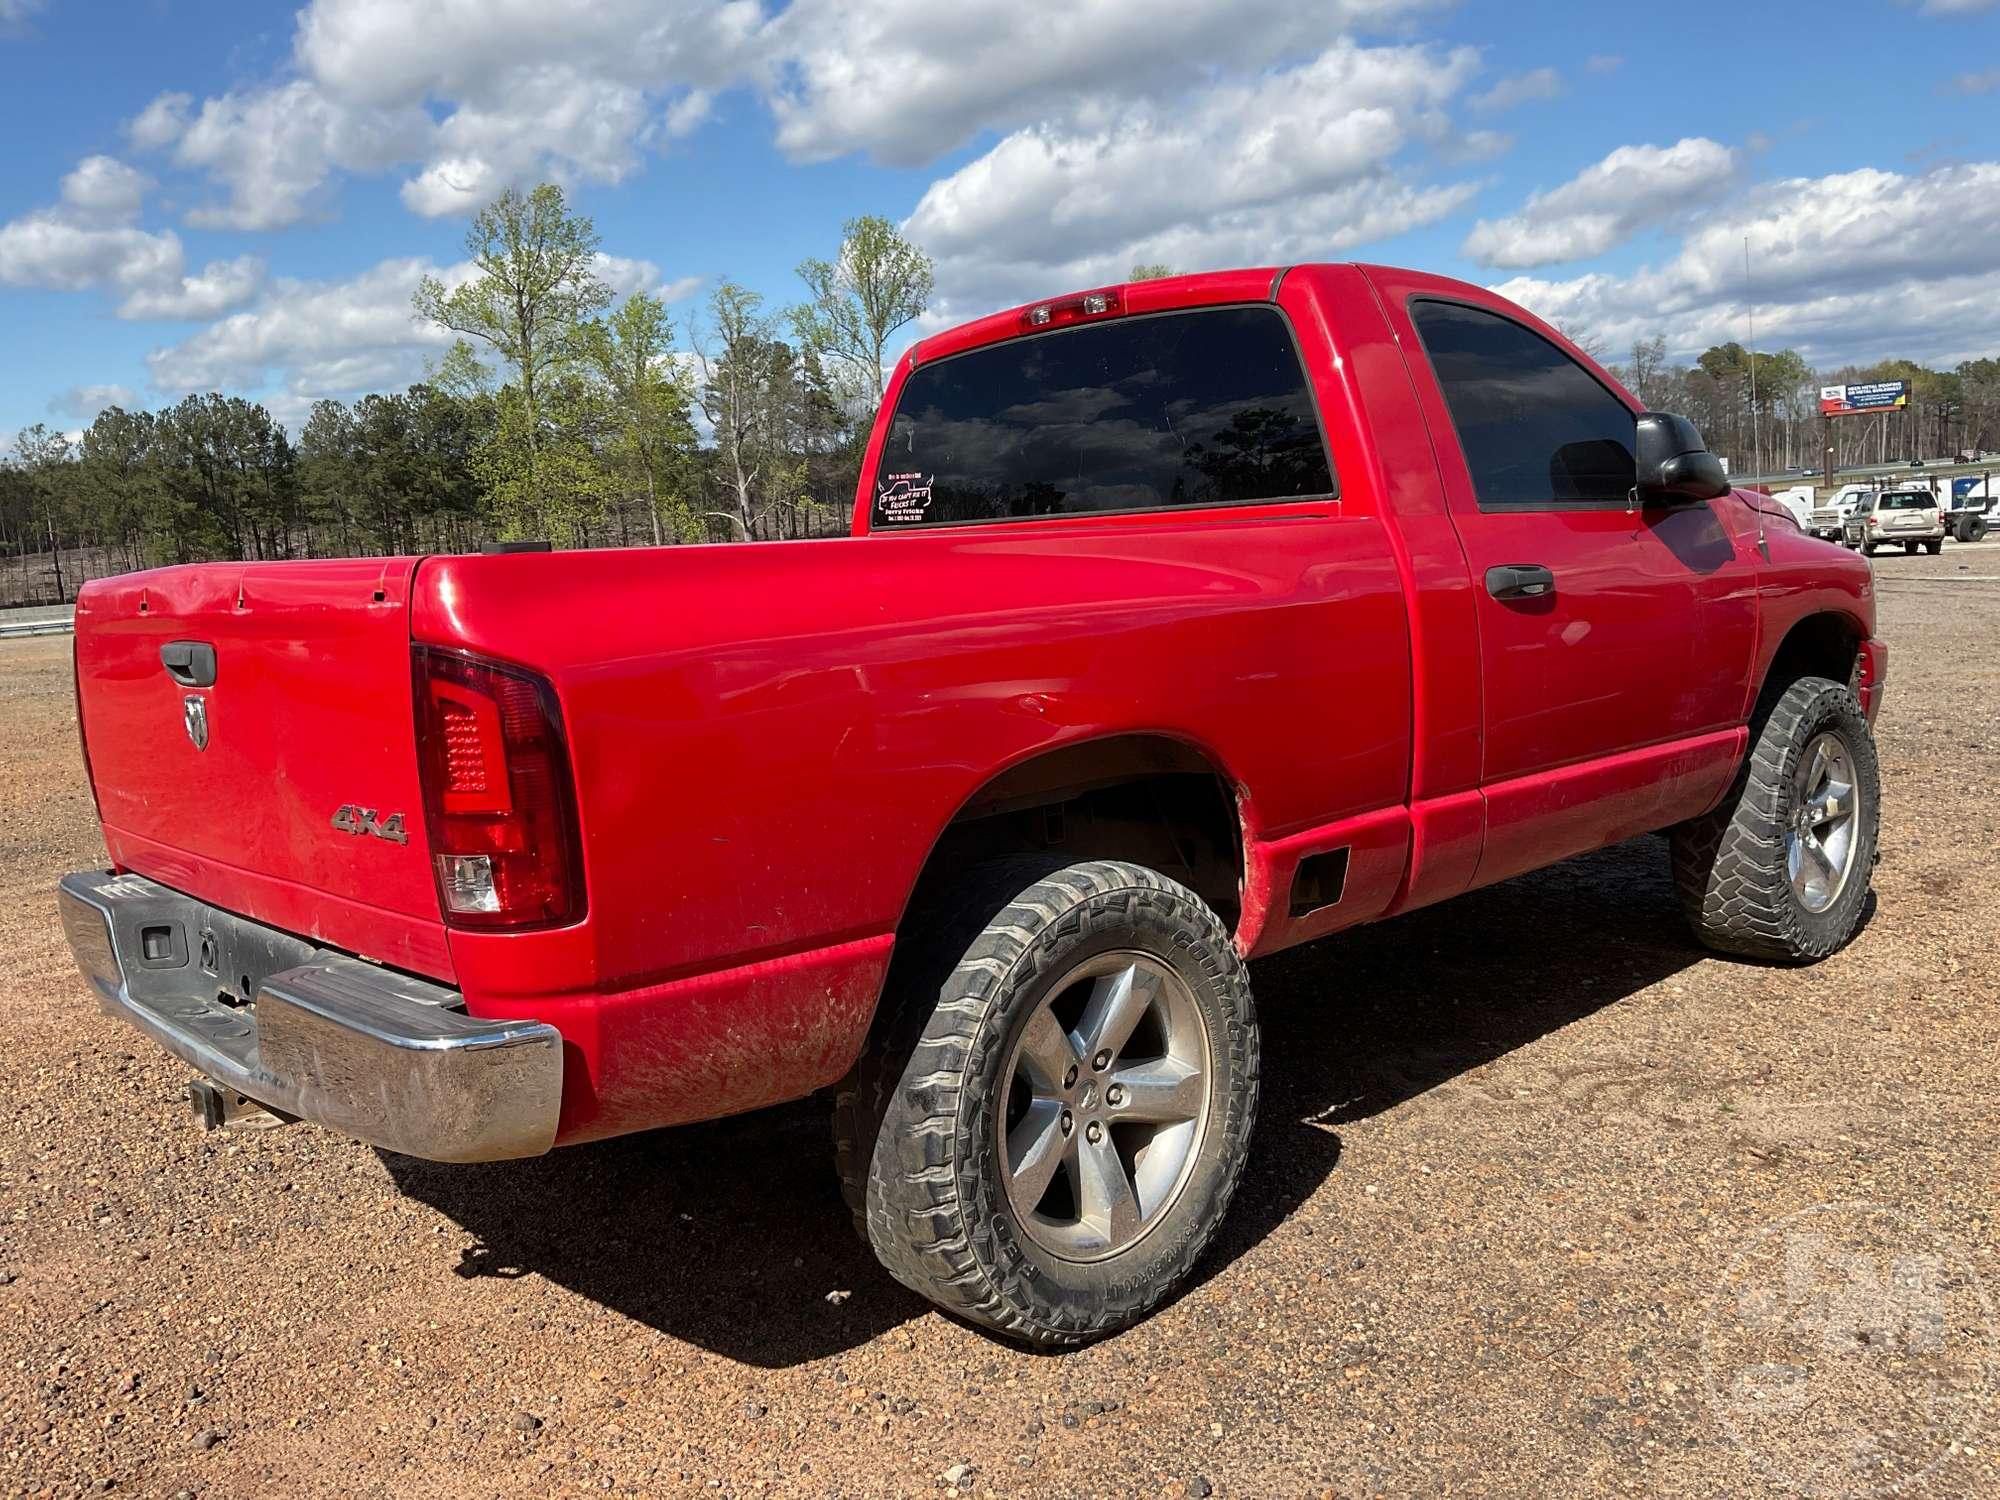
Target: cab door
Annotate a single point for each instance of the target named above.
(1614, 641)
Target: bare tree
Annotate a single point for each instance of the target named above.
(730, 394)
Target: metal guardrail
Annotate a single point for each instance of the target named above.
(1929, 469)
(44, 624)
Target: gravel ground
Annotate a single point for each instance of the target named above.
(1516, 1221)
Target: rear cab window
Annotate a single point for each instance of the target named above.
(1200, 407)
(1906, 500)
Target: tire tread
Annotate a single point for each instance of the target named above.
(1729, 865)
(897, 1118)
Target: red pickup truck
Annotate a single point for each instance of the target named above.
(1181, 622)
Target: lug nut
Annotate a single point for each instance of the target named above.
(1115, 1095)
(1068, 1124)
(1093, 1132)
(1102, 1060)
(1069, 1078)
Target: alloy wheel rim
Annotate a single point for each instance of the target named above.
(1107, 1099)
(1824, 831)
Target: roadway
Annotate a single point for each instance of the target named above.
(1929, 470)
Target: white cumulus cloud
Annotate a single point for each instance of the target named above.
(161, 122)
(340, 337)
(474, 95)
(90, 239)
(103, 190)
(907, 80)
(1858, 264)
(274, 149)
(214, 290)
(1603, 206)
(84, 402)
(1522, 88)
(1295, 163)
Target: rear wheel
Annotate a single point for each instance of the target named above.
(1934, 548)
(1780, 869)
(1053, 1124)
(1910, 549)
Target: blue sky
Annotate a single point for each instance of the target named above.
(206, 194)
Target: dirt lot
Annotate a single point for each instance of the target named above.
(1503, 1232)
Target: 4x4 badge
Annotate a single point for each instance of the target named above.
(363, 820)
(194, 714)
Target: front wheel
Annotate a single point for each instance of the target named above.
(1780, 869)
(1052, 1128)
(1934, 548)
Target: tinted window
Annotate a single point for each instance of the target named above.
(1536, 427)
(1194, 408)
(1906, 500)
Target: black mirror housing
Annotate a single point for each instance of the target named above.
(1674, 466)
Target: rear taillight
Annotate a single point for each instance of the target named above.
(497, 794)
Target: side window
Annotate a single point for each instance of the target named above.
(1537, 428)
(1205, 407)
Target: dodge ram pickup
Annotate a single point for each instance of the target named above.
(1180, 622)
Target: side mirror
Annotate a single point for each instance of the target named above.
(1673, 463)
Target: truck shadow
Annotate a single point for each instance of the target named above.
(733, 1236)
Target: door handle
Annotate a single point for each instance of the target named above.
(189, 663)
(1520, 581)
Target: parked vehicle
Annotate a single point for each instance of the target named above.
(1971, 515)
(1798, 505)
(1829, 516)
(1907, 516)
(1242, 608)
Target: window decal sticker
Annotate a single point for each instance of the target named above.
(902, 497)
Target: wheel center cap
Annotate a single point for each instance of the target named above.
(1088, 1098)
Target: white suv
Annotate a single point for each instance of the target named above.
(1886, 517)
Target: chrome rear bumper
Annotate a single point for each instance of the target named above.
(374, 1054)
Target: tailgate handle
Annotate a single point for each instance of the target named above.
(190, 663)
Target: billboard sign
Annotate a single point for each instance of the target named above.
(1851, 400)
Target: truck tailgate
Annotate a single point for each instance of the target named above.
(285, 789)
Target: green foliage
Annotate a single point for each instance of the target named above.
(876, 284)
(534, 289)
(1151, 271)
(651, 437)
(1780, 427)
(552, 414)
(229, 482)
